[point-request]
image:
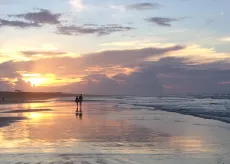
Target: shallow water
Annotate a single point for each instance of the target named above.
(106, 134)
(217, 109)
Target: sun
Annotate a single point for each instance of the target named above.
(34, 79)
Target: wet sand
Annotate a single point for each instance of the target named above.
(6, 121)
(106, 135)
(26, 111)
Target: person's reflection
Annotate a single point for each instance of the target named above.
(79, 112)
(80, 115)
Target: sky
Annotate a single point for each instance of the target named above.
(131, 47)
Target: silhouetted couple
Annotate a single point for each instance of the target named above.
(79, 100)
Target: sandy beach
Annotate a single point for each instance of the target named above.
(50, 132)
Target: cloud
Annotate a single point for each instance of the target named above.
(162, 21)
(103, 72)
(94, 70)
(143, 6)
(19, 24)
(108, 61)
(43, 53)
(9, 70)
(98, 30)
(123, 57)
(120, 8)
(224, 83)
(169, 75)
(31, 19)
(137, 83)
(79, 64)
(141, 43)
(40, 17)
(225, 39)
(5, 85)
(197, 54)
(77, 4)
(182, 78)
(20, 84)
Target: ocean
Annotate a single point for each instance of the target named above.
(208, 108)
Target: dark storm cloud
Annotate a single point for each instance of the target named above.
(97, 29)
(40, 17)
(19, 24)
(162, 21)
(143, 6)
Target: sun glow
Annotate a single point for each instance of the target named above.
(34, 79)
(35, 116)
(43, 80)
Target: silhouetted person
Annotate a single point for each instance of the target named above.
(3, 98)
(77, 100)
(80, 99)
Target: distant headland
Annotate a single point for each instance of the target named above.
(17, 95)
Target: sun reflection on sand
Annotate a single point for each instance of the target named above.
(34, 116)
(37, 117)
(189, 144)
(12, 139)
(30, 106)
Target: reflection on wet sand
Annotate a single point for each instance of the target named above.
(189, 144)
(79, 115)
(79, 112)
(97, 129)
(46, 130)
(27, 110)
(6, 121)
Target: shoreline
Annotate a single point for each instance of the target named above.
(197, 115)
